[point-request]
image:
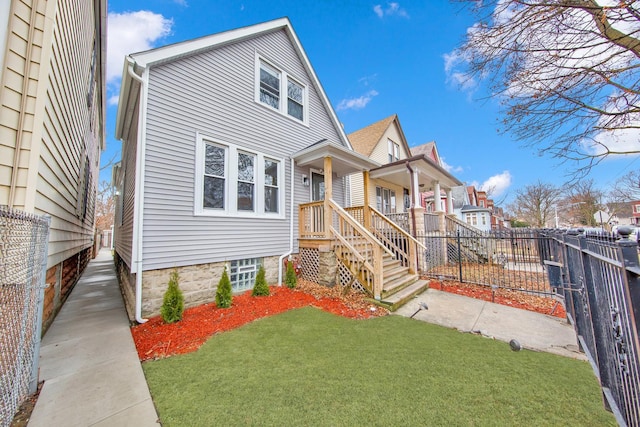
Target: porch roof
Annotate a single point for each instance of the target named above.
(428, 172)
(343, 160)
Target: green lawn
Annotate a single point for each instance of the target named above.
(308, 367)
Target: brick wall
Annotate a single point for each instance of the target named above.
(60, 280)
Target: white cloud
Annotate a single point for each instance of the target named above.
(496, 184)
(623, 142)
(131, 32)
(113, 100)
(367, 80)
(392, 9)
(356, 103)
(449, 168)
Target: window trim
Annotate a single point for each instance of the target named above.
(393, 151)
(285, 77)
(231, 182)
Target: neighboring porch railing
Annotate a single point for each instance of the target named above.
(401, 219)
(398, 241)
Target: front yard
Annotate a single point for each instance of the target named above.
(310, 367)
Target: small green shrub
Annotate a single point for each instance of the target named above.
(290, 278)
(173, 301)
(260, 287)
(223, 293)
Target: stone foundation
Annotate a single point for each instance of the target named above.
(198, 284)
(328, 267)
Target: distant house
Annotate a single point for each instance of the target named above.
(635, 212)
(52, 122)
(383, 142)
(391, 183)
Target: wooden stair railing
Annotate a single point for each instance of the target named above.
(358, 248)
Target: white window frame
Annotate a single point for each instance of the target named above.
(285, 77)
(231, 182)
(393, 151)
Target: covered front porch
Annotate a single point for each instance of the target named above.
(359, 246)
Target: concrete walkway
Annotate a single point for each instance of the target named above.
(532, 330)
(89, 364)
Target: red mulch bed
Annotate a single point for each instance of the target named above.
(155, 339)
(503, 296)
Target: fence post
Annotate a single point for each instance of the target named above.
(459, 256)
(35, 366)
(631, 272)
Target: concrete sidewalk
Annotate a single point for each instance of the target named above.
(91, 372)
(533, 331)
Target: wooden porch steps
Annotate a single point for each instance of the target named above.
(399, 285)
(398, 299)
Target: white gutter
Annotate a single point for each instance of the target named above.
(290, 227)
(138, 208)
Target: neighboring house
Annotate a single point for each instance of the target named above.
(405, 171)
(383, 142)
(635, 212)
(461, 198)
(52, 121)
(207, 178)
(477, 217)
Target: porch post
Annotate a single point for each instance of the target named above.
(328, 195)
(415, 202)
(437, 201)
(366, 212)
(449, 201)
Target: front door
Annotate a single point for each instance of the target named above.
(317, 186)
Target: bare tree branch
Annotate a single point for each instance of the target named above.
(566, 72)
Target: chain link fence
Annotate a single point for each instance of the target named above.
(23, 263)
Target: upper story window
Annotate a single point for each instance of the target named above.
(393, 150)
(636, 208)
(233, 181)
(272, 83)
(269, 86)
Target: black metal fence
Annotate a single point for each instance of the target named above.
(598, 277)
(510, 259)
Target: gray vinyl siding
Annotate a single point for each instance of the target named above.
(67, 136)
(213, 93)
(123, 221)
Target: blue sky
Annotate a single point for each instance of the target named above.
(373, 59)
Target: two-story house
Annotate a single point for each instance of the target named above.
(224, 137)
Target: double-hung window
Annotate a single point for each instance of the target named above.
(235, 181)
(246, 181)
(385, 200)
(269, 86)
(271, 183)
(215, 175)
(273, 83)
(394, 151)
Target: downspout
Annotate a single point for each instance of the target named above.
(290, 228)
(412, 211)
(139, 197)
